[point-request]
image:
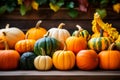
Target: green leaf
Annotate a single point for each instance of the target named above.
(23, 10)
(41, 1)
(53, 1)
(10, 9)
(70, 5)
(60, 3)
(3, 9)
(104, 3)
(73, 13)
(102, 12)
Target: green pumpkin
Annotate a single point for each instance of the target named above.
(27, 61)
(49, 44)
(99, 43)
(82, 32)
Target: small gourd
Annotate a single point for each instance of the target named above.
(60, 34)
(64, 59)
(43, 62)
(36, 32)
(82, 32)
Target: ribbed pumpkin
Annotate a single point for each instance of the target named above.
(9, 59)
(109, 59)
(43, 62)
(13, 35)
(82, 32)
(64, 59)
(49, 44)
(99, 43)
(27, 61)
(36, 32)
(76, 43)
(59, 34)
(87, 60)
(25, 45)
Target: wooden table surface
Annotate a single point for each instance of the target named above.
(60, 75)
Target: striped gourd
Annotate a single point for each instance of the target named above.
(82, 32)
(99, 43)
(49, 44)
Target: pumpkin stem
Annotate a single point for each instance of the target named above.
(65, 46)
(101, 33)
(79, 27)
(38, 24)
(5, 41)
(61, 25)
(112, 46)
(43, 52)
(7, 26)
(47, 34)
(26, 36)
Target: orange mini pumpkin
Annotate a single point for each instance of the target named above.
(87, 60)
(25, 45)
(9, 59)
(36, 32)
(75, 43)
(109, 59)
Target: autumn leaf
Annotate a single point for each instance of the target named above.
(116, 7)
(54, 7)
(20, 2)
(35, 5)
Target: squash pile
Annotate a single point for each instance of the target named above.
(42, 49)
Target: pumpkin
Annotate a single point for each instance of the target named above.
(64, 59)
(99, 43)
(25, 45)
(76, 43)
(82, 32)
(49, 44)
(36, 32)
(109, 59)
(43, 62)
(87, 60)
(13, 35)
(9, 58)
(59, 34)
(27, 61)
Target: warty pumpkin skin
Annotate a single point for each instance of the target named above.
(12, 34)
(43, 62)
(60, 34)
(49, 44)
(109, 59)
(25, 45)
(76, 44)
(87, 60)
(26, 61)
(36, 32)
(63, 59)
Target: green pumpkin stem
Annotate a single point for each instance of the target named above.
(5, 42)
(61, 25)
(38, 24)
(43, 52)
(101, 33)
(7, 26)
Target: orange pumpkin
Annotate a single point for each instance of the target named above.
(60, 34)
(87, 60)
(25, 45)
(36, 32)
(9, 59)
(109, 59)
(75, 43)
(13, 35)
(64, 59)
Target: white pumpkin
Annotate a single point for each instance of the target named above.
(12, 35)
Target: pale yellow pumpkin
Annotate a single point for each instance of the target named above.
(59, 34)
(43, 62)
(12, 35)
